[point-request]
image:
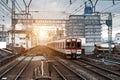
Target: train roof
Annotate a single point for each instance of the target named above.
(62, 40)
(105, 45)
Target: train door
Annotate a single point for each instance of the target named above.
(73, 47)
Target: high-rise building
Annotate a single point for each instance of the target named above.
(75, 27)
(84, 26)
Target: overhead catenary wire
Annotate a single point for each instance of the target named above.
(71, 2)
(116, 8)
(67, 6)
(111, 10)
(110, 6)
(4, 10)
(78, 9)
(18, 6)
(5, 6)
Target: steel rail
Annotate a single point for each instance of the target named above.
(5, 72)
(113, 72)
(22, 70)
(80, 76)
(98, 73)
(101, 74)
(61, 75)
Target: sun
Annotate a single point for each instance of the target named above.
(43, 34)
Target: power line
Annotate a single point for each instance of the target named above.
(3, 12)
(117, 8)
(71, 2)
(5, 6)
(79, 8)
(18, 6)
(69, 5)
(110, 6)
(113, 1)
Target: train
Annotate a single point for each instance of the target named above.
(104, 48)
(69, 47)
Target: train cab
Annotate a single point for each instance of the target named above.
(70, 47)
(73, 48)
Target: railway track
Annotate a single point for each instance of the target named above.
(15, 71)
(109, 63)
(103, 72)
(96, 72)
(10, 66)
(113, 61)
(66, 73)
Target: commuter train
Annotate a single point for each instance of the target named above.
(70, 47)
(103, 48)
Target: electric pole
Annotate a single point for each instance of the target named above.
(13, 22)
(27, 6)
(109, 24)
(93, 5)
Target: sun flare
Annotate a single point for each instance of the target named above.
(43, 34)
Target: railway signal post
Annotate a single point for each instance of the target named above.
(109, 24)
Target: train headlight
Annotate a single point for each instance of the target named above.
(79, 51)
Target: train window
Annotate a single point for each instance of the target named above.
(67, 44)
(78, 44)
(73, 44)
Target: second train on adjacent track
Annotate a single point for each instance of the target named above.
(70, 47)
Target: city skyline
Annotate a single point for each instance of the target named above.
(63, 8)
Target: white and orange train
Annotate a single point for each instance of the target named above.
(70, 47)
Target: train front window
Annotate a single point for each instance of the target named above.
(73, 45)
(67, 44)
(78, 44)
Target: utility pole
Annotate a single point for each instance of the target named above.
(113, 2)
(109, 24)
(14, 21)
(70, 2)
(93, 5)
(3, 33)
(27, 6)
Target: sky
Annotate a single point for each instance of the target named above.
(61, 9)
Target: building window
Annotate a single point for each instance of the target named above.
(117, 38)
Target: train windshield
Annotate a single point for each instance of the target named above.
(78, 44)
(67, 44)
(73, 45)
